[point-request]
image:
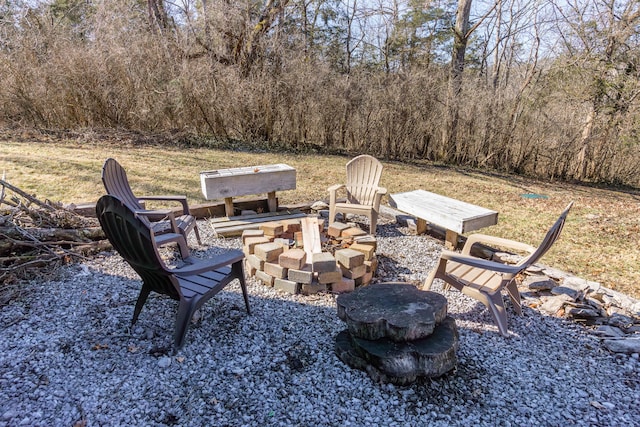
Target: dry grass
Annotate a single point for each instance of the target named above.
(601, 239)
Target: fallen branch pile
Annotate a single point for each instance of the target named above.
(36, 237)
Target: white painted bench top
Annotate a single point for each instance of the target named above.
(448, 213)
(234, 182)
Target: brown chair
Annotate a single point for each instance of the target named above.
(483, 279)
(192, 284)
(162, 221)
(362, 190)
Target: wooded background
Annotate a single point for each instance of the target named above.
(546, 88)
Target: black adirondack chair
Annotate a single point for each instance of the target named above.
(116, 183)
(192, 285)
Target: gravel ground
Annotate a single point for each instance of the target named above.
(69, 357)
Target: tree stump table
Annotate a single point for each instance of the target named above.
(396, 333)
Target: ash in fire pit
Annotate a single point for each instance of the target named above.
(300, 256)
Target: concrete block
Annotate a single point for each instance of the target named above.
(344, 285)
(328, 277)
(255, 262)
(268, 252)
(335, 229)
(364, 280)
(251, 242)
(353, 232)
(251, 233)
(372, 265)
(323, 262)
(294, 258)
(368, 250)
(248, 268)
(272, 228)
(313, 288)
(355, 272)
(275, 270)
(291, 225)
(366, 240)
(349, 258)
(303, 275)
(265, 278)
(287, 286)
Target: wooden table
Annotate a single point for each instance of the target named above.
(453, 215)
(235, 182)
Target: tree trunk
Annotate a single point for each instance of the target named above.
(450, 146)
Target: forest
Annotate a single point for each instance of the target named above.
(546, 88)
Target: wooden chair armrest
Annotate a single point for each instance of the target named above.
(495, 241)
(480, 263)
(336, 187)
(181, 199)
(198, 266)
(381, 191)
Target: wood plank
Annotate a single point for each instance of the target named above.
(446, 212)
(235, 228)
(243, 219)
(311, 236)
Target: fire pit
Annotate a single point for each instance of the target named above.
(302, 256)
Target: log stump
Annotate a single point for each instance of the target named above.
(397, 333)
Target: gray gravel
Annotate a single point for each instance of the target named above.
(69, 355)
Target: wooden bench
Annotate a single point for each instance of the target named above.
(235, 182)
(453, 215)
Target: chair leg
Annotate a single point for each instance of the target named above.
(496, 306)
(514, 294)
(186, 309)
(494, 303)
(239, 272)
(142, 298)
(373, 221)
(195, 230)
(439, 268)
(183, 248)
(428, 282)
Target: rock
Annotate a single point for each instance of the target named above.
(608, 331)
(581, 284)
(582, 312)
(620, 320)
(539, 283)
(624, 345)
(552, 305)
(573, 294)
(554, 273)
(398, 311)
(164, 362)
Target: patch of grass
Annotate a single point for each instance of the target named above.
(600, 241)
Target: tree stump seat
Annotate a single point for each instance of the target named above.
(396, 333)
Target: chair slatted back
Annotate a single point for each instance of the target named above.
(363, 177)
(116, 183)
(548, 241)
(134, 241)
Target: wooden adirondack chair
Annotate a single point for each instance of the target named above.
(192, 285)
(116, 183)
(483, 279)
(363, 192)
